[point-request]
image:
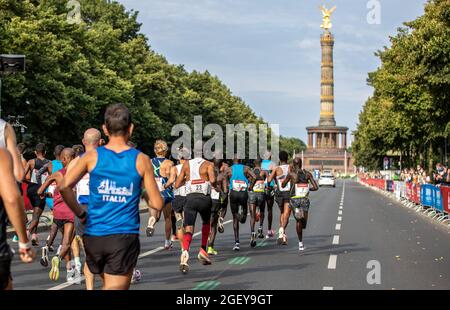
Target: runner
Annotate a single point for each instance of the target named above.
(11, 206)
(238, 176)
(9, 142)
(198, 174)
(55, 166)
(256, 199)
(179, 201)
(91, 141)
(36, 172)
(111, 236)
(219, 197)
(165, 177)
(63, 217)
(282, 195)
(22, 187)
(267, 166)
(299, 203)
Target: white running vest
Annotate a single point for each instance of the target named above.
(281, 178)
(182, 190)
(196, 185)
(2, 134)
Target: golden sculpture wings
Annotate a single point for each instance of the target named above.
(327, 17)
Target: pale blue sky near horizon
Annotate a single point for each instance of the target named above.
(268, 52)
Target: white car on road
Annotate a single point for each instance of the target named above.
(327, 180)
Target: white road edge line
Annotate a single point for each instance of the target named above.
(332, 262)
(327, 288)
(341, 208)
(67, 284)
(338, 226)
(336, 240)
(339, 219)
(340, 212)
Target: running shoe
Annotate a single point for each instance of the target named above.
(15, 239)
(151, 226)
(280, 239)
(70, 277)
(174, 238)
(211, 251)
(54, 272)
(44, 258)
(284, 242)
(34, 240)
(204, 257)
(270, 234)
(77, 279)
(253, 240)
(137, 276)
(260, 233)
(301, 247)
(236, 247)
(184, 267)
(220, 226)
(168, 245)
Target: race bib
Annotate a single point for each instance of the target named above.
(83, 187)
(239, 186)
(281, 188)
(199, 187)
(51, 188)
(301, 190)
(215, 194)
(159, 182)
(259, 187)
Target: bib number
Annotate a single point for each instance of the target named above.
(215, 194)
(301, 190)
(259, 187)
(83, 187)
(51, 188)
(239, 186)
(281, 188)
(159, 182)
(199, 187)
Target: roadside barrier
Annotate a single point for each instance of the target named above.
(433, 201)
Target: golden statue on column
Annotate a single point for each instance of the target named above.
(327, 17)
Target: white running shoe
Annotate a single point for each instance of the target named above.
(44, 257)
(168, 245)
(301, 247)
(184, 267)
(236, 246)
(150, 226)
(71, 275)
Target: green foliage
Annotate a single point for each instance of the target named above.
(291, 145)
(74, 71)
(409, 110)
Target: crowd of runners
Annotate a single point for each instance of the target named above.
(94, 191)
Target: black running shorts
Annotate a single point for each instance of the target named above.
(197, 203)
(238, 199)
(79, 227)
(114, 254)
(258, 199)
(35, 200)
(282, 197)
(178, 204)
(5, 273)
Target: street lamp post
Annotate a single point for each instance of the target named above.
(10, 64)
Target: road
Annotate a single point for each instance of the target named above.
(411, 251)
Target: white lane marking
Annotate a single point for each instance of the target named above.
(341, 208)
(340, 212)
(338, 226)
(327, 288)
(339, 219)
(67, 284)
(335, 240)
(332, 262)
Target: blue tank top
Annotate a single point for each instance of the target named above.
(56, 166)
(265, 165)
(156, 162)
(115, 191)
(238, 174)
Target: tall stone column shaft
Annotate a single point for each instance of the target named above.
(327, 81)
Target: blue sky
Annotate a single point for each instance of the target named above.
(268, 51)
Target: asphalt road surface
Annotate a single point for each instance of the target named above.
(354, 235)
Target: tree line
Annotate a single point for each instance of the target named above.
(74, 71)
(409, 111)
